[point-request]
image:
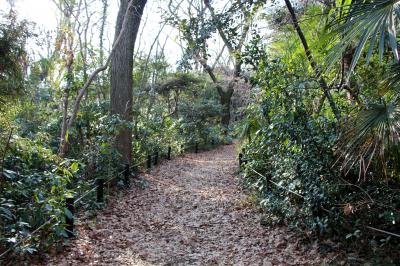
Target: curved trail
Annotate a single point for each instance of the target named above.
(191, 213)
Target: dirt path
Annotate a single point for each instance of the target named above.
(191, 213)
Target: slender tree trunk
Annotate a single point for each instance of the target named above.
(64, 125)
(102, 27)
(85, 48)
(324, 86)
(121, 95)
(69, 61)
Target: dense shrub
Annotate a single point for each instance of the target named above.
(300, 185)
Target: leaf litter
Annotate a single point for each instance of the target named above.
(191, 212)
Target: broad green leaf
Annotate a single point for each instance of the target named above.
(74, 167)
(68, 213)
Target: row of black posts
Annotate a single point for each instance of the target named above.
(69, 201)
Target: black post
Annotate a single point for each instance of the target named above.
(182, 149)
(212, 142)
(240, 159)
(134, 172)
(244, 161)
(169, 153)
(156, 158)
(100, 190)
(148, 161)
(196, 148)
(126, 174)
(69, 217)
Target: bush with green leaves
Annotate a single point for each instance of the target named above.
(13, 55)
(34, 184)
(34, 180)
(293, 149)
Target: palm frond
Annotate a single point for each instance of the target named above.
(391, 80)
(372, 137)
(248, 127)
(369, 23)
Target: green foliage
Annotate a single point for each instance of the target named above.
(181, 110)
(293, 149)
(13, 58)
(373, 136)
(33, 186)
(292, 140)
(372, 140)
(369, 22)
(35, 181)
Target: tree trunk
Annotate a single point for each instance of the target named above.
(71, 119)
(69, 61)
(121, 95)
(225, 98)
(64, 126)
(101, 37)
(322, 82)
(236, 55)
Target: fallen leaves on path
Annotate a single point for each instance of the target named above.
(192, 213)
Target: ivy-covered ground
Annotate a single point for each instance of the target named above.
(189, 211)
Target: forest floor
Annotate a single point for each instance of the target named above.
(192, 212)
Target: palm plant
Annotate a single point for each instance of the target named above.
(373, 133)
(247, 127)
(372, 22)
